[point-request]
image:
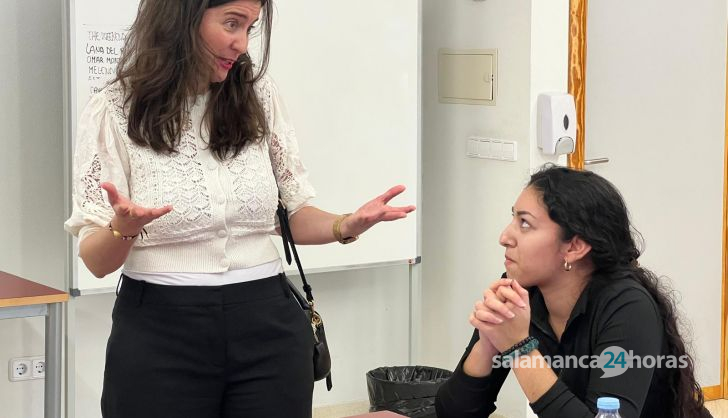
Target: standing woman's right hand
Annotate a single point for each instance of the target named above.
(129, 218)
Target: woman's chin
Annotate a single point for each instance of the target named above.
(218, 77)
(514, 274)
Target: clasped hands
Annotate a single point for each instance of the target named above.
(503, 316)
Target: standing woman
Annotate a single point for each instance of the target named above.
(192, 145)
(570, 243)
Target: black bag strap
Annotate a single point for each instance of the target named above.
(289, 246)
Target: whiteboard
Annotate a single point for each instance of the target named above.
(349, 74)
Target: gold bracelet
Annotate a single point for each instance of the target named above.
(123, 237)
(337, 230)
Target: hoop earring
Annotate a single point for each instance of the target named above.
(567, 265)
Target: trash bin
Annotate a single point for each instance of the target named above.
(406, 390)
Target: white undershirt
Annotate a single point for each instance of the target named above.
(210, 279)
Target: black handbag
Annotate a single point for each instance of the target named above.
(321, 354)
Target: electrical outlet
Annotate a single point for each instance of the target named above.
(20, 369)
(39, 366)
(26, 368)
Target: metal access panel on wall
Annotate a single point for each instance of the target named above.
(467, 76)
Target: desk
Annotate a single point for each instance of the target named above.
(20, 298)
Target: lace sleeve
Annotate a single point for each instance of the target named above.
(99, 157)
(291, 174)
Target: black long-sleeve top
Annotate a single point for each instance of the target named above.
(608, 313)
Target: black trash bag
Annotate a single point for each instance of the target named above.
(406, 390)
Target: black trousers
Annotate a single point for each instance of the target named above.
(236, 351)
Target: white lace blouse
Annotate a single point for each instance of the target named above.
(223, 212)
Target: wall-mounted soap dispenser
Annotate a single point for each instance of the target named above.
(556, 113)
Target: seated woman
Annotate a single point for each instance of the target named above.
(575, 292)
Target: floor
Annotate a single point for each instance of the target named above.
(339, 411)
(719, 409)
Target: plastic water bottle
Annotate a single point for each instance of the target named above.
(608, 408)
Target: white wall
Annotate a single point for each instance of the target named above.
(655, 105)
(467, 201)
(31, 177)
(549, 64)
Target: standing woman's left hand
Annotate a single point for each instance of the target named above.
(375, 211)
(502, 331)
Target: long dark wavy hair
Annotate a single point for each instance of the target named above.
(160, 69)
(586, 205)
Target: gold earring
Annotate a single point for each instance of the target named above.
(567, 265)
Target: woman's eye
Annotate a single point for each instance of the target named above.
(251, 28)
(231, 24)
(525, 224)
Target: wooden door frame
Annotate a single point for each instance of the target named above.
(724, 309)
(577, 88)
(577, 75)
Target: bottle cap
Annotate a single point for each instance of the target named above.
(608, 403)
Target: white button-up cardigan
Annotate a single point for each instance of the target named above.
(223, 212)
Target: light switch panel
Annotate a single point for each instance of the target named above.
(492, 149)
